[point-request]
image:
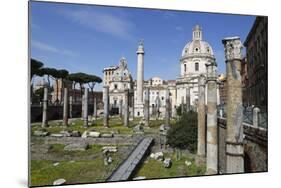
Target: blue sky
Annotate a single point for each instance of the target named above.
(87, 38)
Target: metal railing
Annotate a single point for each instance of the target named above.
(248, 114)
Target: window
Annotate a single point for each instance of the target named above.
(115, 86)
(184, 67)
(196, 49)
(196, 66)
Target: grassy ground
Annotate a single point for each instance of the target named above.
(43, 172)
(86, 170)
(115, 124)
(152, 168)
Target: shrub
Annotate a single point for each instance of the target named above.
(183, 134)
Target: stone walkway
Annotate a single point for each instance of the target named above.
(125, 170)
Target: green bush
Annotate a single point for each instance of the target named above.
(183, 134)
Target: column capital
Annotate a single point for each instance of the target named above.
(211, 71)
(202, 80)
(232, 48)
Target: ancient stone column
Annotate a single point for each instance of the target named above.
(146, 107)
(256, 112)
(126, 108)
(201, 144)
(182, 105)
(234, 129)
(121, 107)
(70, 106)
(85, 103)
(45, 108)
(187, 99)
(82, 106)
(65, 107)
(95, 108)
(157, 103)
(212, 126)
(167, 105)
(106, 105)
(133, 107)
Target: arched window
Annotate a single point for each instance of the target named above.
(185, 68)
(196, 66)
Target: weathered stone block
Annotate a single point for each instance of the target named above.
(59, 182)
(94, 134)
(40, 133)
(76, 147)
(167, 163)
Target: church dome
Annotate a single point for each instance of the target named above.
(197, 47)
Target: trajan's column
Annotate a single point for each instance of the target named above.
(139, 99)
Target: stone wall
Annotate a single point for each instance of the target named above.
(255, 147)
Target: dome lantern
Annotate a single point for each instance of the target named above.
(197, 33)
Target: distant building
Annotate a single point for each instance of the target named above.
(222, 81)
(194, 57)
(58, 93)
(256, 45)
(59, 90)
(245, 82)
(118, 78)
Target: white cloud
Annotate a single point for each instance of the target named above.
(46, 47)
(113, 24)
(179, 28)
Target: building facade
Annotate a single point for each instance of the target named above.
(257, 63)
